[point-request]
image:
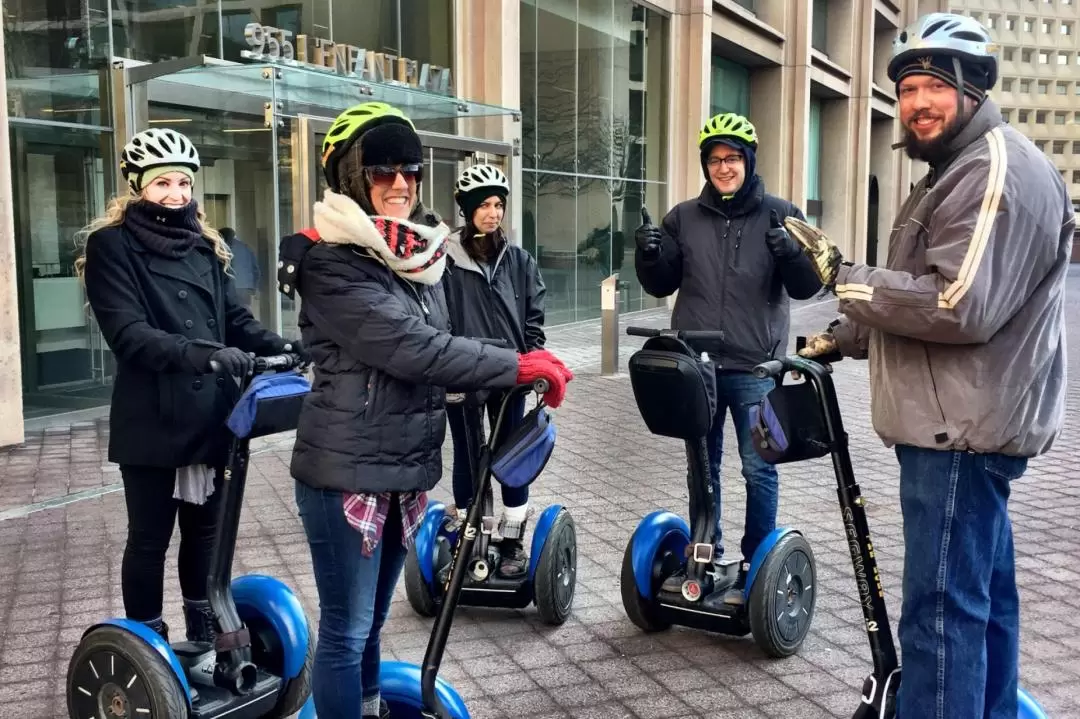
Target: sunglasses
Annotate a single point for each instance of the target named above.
(387, 174)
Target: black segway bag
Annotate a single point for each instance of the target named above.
(675, 391)
(787, 425)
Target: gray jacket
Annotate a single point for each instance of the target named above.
(964, 328)
(714, 254)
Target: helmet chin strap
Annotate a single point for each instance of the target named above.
(961, 109)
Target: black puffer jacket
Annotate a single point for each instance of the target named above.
(508, 304)
(714, 254)
(375, 419)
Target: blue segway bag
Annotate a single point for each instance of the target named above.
(271, 404)
(787, 425)
(525, 453)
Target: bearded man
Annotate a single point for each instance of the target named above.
(964, 331)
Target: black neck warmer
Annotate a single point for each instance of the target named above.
(167, 231)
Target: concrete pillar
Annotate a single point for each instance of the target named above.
(11, 404)
(487, 65)
(690, 84)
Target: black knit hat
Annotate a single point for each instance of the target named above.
(940, 65)
(391, 143)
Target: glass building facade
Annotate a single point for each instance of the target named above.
(236, 76)
(594, 102)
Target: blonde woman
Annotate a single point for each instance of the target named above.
(158, 284)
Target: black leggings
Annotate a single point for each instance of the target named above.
(152, 513)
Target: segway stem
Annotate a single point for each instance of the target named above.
(459, 563)
(702, 508)
(235, 670)
(852, 511)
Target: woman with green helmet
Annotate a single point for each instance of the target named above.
(735, 268)
(369, 440)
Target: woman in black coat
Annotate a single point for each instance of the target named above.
(157, 279)
(494, 289)
(369, 441)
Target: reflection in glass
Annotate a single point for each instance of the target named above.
(594, 104)
(52, 55)
(155, 30)
(58, 186)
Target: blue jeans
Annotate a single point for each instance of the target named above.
(737, 391)
(960, 621)
(463, 463)
(354, 600)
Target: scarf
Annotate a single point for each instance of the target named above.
(168, 231)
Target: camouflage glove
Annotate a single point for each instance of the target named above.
(820, 344)
(822, 252)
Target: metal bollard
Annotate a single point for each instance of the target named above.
(609, 325)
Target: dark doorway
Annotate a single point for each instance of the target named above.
(872, 223)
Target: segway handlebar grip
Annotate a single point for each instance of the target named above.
(642, 332)
(772, 368)
(277, 363)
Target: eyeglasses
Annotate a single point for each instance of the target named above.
(387, 174)
(730, 161)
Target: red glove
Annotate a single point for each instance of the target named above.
(544, 354)
(532, 367)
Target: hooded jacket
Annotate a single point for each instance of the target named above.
(504, 300)
(714, 254)
(383, 356)
(964, 327)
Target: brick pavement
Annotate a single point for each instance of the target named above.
(59, 567)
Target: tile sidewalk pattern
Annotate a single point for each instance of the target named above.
(60, 567)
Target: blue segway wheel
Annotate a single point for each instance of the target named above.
(281, 639)
(113, 672)
(655, 552)
(782, 594)
(555, 576)
(399, 685)
(1027, 707)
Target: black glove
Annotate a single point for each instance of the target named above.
(297, 348)
(234, 362)
(647, 236)
(780, 243)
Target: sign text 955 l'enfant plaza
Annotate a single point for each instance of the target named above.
(272, 44)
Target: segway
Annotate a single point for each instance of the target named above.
(675, 391)
(260, 664)
(413, 692)
(551, 577)
(818, 431)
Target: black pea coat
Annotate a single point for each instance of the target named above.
(162, 318)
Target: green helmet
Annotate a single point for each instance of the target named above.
(348, 126)
(727, 125)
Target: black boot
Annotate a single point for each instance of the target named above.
(159, 626)
(200, 621)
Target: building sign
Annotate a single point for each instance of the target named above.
(272, 44)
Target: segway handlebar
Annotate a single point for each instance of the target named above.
(687, 335)
(271, 363)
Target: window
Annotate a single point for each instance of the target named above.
(813, 171)
(1025, 55)
(1006, 115)
(1076, 177)
(1007, 85)
(1044, 57)
(1044, 87)
(1010, 53)
(1046, 25)
(1060, 117)
(1040, 117)
(1076, 88)
(730, 91)
(1023, 116)
(992, 22)
(1025, 87)
(1027, 25)
(1063, 88)
(1059, 147)
(1010, 23)
(1076, 147)
(1041, 144)
(819, 24)
(1065, 28)
(1063, 58)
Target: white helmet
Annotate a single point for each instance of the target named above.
(481, 176)
(156, 147)
(957, 36)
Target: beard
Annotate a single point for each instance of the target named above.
(934, 150)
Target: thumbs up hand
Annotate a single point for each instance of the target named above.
(647, 236)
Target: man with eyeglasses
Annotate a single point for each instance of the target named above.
(734, 266)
